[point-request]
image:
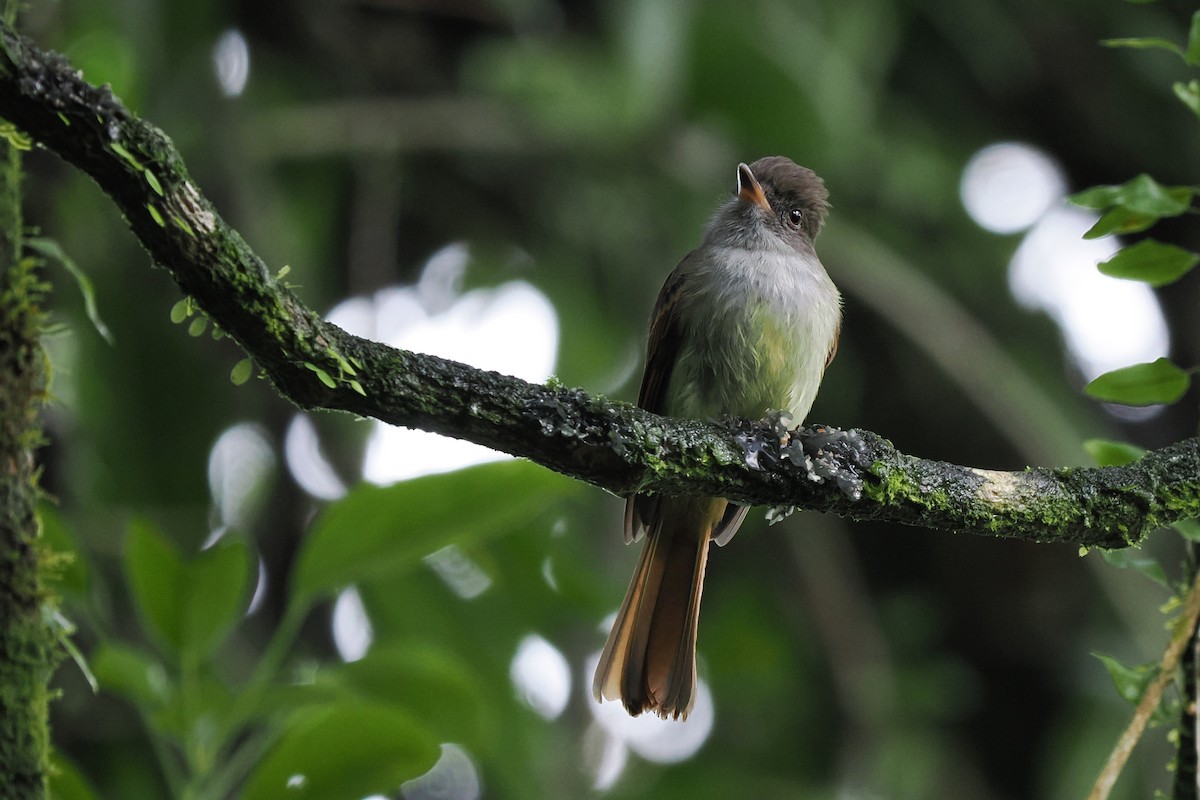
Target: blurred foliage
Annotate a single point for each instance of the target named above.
(581, 146)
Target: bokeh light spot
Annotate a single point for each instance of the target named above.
(240, 466)
(511, 329)
(1106, 323)
(1006, 187)
(464, 577)
(659, 740)
(231, 62)
(352, 633)
(542, 676)
(308, 465)
(453, 777)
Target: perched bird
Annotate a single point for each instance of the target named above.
(746, 324)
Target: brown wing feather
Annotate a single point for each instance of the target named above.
(661, 350)
(837, 335)
(662, 347)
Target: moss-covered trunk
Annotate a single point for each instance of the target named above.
(26, 645)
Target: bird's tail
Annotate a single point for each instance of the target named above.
(649, 661)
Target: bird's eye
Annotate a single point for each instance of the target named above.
(794, 217)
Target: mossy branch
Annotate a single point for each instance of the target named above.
(612, 445)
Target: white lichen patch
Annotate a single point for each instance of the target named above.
(200, 218)
(998, 487)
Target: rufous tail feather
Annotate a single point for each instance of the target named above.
(649, 661)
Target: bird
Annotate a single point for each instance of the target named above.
(746, 324)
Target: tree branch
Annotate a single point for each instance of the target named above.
(612, 445)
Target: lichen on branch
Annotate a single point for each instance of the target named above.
(612, 445)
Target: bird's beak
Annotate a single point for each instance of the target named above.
(749, 188)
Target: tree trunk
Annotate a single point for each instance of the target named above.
(26, 643)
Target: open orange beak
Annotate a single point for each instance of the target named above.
(749, 188)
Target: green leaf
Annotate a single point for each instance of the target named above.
(344, 750)
(156, 215)
(1137, 560)
(63, 630)
(1153, 262)
(1188, 529)
(66, 782)
(155, 574)
(215, 595)
(181, 310)
(182, 224)
(1131, 682)
(188, 606)
(1133, 206)
(1149, 384)
(1120, 220)
(131, 674)
(241, 371)
(343, 365)
(53, 250)
(1192, 55)
(1189, 94)
(65, 571)
(1097, 198)
(1153, 43)
(1112, 454)
(321, 374)
(198, 325)
(1147, 196)
(152, 180)
(18, 139)
(430, 683)
(379, 532)
(125, 154)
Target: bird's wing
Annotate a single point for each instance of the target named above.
(837, 335)
(662, 348)
(666, 332)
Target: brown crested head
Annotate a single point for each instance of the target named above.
(795, 194)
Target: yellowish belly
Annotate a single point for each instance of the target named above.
(745, 363)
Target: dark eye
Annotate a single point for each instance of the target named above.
(794, 217)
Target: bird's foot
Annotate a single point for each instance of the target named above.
(828, 454)
(760, 448)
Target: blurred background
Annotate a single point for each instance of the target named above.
(507, 182)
